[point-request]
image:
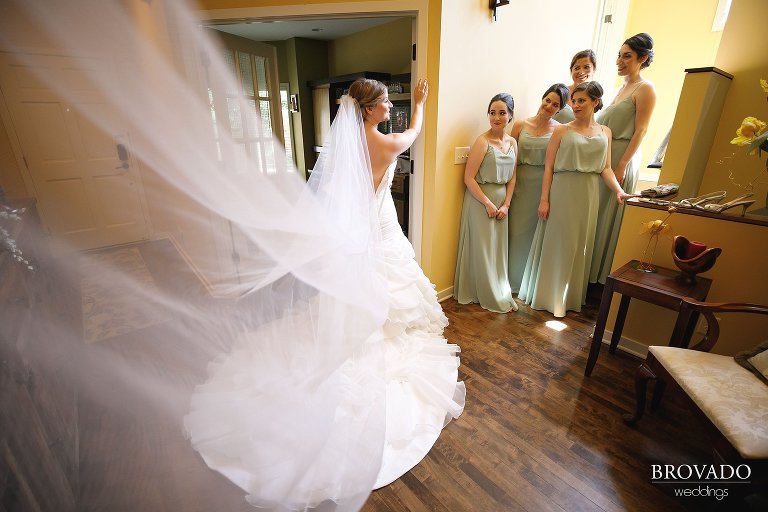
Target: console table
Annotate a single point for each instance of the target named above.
(663, 288)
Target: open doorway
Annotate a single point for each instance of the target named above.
(322, 41)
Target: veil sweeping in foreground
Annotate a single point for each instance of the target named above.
(329, 374)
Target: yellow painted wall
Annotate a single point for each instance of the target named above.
(385, 48)
(738, 274)
(479, 58)
(736, 277)
(748, 62)
(683, 38)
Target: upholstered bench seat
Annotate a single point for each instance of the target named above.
(734, 400)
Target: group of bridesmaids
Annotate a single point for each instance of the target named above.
(537, 220)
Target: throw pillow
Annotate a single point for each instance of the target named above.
(755, 360)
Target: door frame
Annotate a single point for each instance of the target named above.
(6, 119)
(418, 9)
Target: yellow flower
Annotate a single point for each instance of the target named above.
(654, 227)
(764, 85)
(750, 128)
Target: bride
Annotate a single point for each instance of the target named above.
(300, 426)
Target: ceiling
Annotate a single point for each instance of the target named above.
(317, 28)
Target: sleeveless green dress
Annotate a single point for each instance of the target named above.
(557, 271)
(565, 115)
(481, 266)
(620, 118)
(523, 212)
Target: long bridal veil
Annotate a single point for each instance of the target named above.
(289, 408)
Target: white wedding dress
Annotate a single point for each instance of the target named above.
(421, 367)
(390, 399)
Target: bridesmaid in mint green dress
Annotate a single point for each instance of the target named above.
(583, 66)
(628, 118)
(481, 265)
(578, 155)
(532, 137)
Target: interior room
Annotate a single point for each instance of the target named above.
(90, 378)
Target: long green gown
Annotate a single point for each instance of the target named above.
(523, 212)
(481, 266)
(620, 118)
(557, 270)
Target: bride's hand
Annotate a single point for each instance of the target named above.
(422, 89)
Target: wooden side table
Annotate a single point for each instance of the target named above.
(662, 288)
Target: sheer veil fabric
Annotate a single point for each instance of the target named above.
(295, 413)
(321, 335)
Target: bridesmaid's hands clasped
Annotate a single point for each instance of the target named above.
(491, 210)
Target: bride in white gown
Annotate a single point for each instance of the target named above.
(379, 410)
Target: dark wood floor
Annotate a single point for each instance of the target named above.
(535, 435)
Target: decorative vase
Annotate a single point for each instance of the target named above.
(689, 267)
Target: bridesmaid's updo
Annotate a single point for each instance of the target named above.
(594, 90)
(642, 45)
(367, 93)
(562, 92)
(585, 54)
(508, 100)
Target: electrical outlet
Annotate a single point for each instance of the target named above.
(460, 155)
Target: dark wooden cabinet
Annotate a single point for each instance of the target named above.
(38, 401)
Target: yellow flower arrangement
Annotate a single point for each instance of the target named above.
(753, 133)
(654, 228)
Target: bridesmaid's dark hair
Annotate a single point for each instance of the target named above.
(589, 54)
(562, 92)
(367, 93)
(593, 89)
(508, 100)
(642, 45)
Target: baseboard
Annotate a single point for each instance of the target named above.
(200, 276)
(628, 345)
(445, 294)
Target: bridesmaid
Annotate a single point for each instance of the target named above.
(481, 267)
(583, 66)
(628, 117)
(532, 137)
(578, 153)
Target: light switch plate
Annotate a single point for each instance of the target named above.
(460, 155)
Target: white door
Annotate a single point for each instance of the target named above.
(85, 178)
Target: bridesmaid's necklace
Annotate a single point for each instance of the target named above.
(499, 142)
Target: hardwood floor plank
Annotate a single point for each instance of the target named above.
(536, 434)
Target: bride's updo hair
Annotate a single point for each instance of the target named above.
(367, 93)
(593, 89)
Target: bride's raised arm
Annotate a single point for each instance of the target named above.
(395, 143)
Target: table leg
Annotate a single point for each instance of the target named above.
(684, 327)
(618, 326)
(602, 317)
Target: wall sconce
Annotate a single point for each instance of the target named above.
(293, 103)
(493, 4)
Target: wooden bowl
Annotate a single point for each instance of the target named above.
(696, 265)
